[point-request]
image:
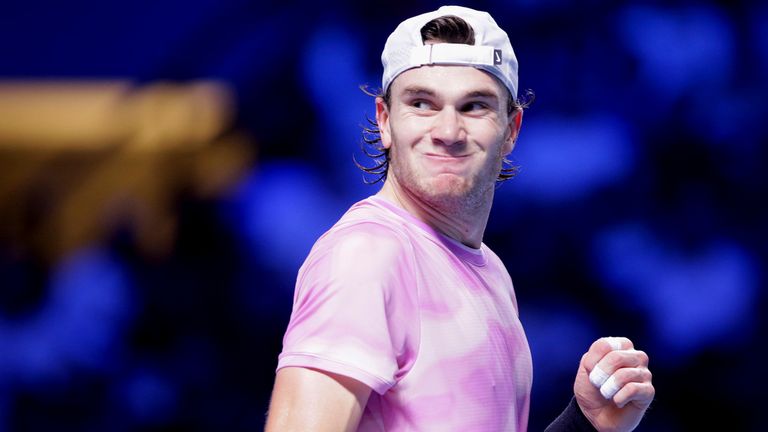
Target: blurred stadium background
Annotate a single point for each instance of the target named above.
(165, 166)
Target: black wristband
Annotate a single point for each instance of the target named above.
(571, 420)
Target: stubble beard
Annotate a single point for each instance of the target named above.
(446, 192)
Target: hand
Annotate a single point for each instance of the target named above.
(613, 385)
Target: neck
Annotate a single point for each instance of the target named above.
(464, 222)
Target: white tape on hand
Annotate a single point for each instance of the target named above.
(597, 377)
(614, 342)
(609, 388)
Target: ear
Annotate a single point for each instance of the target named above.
(514, 122)
(382, 120)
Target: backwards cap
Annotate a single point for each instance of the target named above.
(492, 51)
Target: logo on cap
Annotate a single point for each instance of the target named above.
(496, 57)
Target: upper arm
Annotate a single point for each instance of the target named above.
(354, 328)
(355, 310)
(306, 399)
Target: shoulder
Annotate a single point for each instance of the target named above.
(367, 246)
(369, 243)
(494, 259)
(360, 268)
(496, 265)
(366, 233)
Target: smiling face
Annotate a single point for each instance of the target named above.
(448, 130)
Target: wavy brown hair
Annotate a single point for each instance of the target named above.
(446, 29)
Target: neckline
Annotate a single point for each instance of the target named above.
(477, 257)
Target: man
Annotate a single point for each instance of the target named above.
(403, 319)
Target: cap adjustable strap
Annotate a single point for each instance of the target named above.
(446, 53)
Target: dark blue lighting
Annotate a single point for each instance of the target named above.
(80, 323)
(680, 49)
(280, 210)
(693, 300)
(333, 68)
(563, 159)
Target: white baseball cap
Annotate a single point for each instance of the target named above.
(492, 51)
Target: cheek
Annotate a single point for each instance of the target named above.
(409, 128)
(496, 144)
(491, 132)
(398, 138)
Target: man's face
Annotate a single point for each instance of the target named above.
(448, 130)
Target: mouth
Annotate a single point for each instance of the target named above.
(447, 164)
(445, 157)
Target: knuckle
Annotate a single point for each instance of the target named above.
(642, 375)
(631, 376)
(648, 375)
(629, 388)
(636, 358)
(643, 357)
(628, 343)
(614, 359)
(623, 376)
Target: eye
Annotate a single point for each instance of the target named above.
(474, 106)
(421, 104)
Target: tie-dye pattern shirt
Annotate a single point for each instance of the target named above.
(427, 323)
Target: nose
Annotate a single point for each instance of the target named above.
(448, 127)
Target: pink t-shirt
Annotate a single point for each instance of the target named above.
(429, 324)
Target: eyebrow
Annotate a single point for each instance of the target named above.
(424, 91)
(483, 94)
(417, 91)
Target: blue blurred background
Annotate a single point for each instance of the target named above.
(146, 282)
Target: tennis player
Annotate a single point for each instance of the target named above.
(403, 319)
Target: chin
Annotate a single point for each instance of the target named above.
(449, 178)
(449, 184)
(449, 191)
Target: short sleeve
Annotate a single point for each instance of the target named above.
(355, 307)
